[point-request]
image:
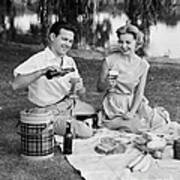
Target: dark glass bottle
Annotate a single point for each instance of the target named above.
(50, 74)
(68, 139)
(95, 121)
(53, 73)
(176, 148)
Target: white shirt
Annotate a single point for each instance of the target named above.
(43, 91)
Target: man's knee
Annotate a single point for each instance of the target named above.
(82, 130)
(79, 129)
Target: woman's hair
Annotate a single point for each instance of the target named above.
(57, 26)
(131, 29)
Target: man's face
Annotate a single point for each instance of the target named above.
(63, 42)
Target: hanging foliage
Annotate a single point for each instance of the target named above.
(144, 13)
(82, 13)
(43, 12)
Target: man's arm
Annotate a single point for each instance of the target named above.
(23, 81)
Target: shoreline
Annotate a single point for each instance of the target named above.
(90, 54)
(94, 54)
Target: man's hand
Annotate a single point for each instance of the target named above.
(49, 68)
(53, 71)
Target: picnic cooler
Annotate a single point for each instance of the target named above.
(37, 134)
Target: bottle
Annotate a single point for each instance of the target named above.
(51, 73)
(176, 149)
(95, 121)
(68, 139)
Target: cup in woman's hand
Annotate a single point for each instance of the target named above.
(112, 78)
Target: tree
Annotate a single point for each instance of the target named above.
(44, 10)
(144, 13)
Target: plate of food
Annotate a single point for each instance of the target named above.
(108, 145)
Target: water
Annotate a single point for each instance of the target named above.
(164, 39)
(23, 22)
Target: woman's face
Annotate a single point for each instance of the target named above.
(127, 44)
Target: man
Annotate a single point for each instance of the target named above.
(53, 94)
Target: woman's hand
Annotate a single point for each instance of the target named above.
(128, 116)
(112, 79)
(111, 82)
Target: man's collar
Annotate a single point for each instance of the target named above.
(51, 54)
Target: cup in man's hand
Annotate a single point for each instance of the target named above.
(76, 84)
(75, 80)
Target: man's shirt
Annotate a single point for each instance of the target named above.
(43, 91)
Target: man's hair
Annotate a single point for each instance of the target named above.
(57, 26)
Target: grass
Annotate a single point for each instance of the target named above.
(163, 88)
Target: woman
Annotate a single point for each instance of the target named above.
(123, 76)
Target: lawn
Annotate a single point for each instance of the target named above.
(163, 88)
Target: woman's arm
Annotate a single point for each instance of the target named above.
(139, 93)
(102, 83)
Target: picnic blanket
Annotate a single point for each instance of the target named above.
(93, 165)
